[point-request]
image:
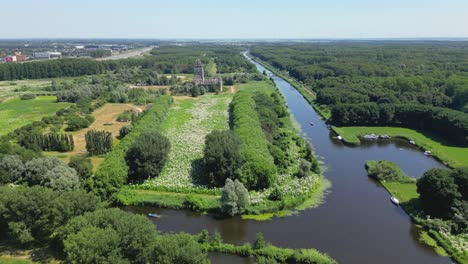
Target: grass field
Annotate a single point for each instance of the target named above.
(453, 156)
(16, 113)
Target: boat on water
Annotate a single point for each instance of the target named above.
(427, 153)
(412, 142)
(154, 215)
(312, 124)
(339, 137)
(394, 200)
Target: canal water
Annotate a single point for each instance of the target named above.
(357, 223)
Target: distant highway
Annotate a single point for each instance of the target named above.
(128, 54)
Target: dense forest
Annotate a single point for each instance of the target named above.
(419, 77)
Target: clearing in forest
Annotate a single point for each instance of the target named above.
(187, 124)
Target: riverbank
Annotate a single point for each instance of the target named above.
(307, 93)
(404, 189)
(450, 155)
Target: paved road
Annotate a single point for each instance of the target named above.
(128, 54)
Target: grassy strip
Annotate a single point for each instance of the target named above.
(128, 196)
(406, 191)
(308, 95)
(281, 255)
(286, 207)
(112, 173)
(452, 156)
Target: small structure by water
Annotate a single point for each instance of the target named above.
(394, 200)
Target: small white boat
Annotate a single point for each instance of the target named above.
(427, 153)
(412, 142)
(154, 215)
(394, 200)
(339, 137)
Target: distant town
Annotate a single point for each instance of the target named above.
(32, 51)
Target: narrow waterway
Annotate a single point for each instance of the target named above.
(357, 223)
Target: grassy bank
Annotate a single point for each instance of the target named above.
(404, 188)
(16, 113)
(452, 156)
(307, 93)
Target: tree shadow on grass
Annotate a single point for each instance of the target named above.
(197, 172)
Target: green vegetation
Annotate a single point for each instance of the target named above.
(259, 170)
(187, 124)
(262, 250)
(222, 158)
(113, 171)
(147, 155)
(435, 194)
(388, 86)
(98, 142)
(16, 112)
(453, 156)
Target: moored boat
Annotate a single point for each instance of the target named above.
(394, 200)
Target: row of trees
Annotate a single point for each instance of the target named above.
(49, 141)
(450, 124)
(98, 142)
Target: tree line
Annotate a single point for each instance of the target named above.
(450, 124)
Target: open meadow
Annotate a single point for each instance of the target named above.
(16, 113)
(452, 155)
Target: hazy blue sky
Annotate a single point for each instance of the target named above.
(234, 19)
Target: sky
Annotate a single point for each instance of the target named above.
(234, 19)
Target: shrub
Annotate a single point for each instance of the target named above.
(27, 96)
(125, 130)
(82, 165)
(234, 197)
(193, 203)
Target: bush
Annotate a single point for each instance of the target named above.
(76, 123)
(27, 96)
(193, 203)
(147, 155)
(125, 130)
(82, 165)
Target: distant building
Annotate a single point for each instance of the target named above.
(19, 56)
(199, 76)
(10, 59)
(47, 55)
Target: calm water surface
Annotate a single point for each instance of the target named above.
(357, 223)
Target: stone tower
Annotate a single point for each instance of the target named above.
(198, 73)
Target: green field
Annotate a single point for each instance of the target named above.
(451, 155)
(188, 122)
(16, 113)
